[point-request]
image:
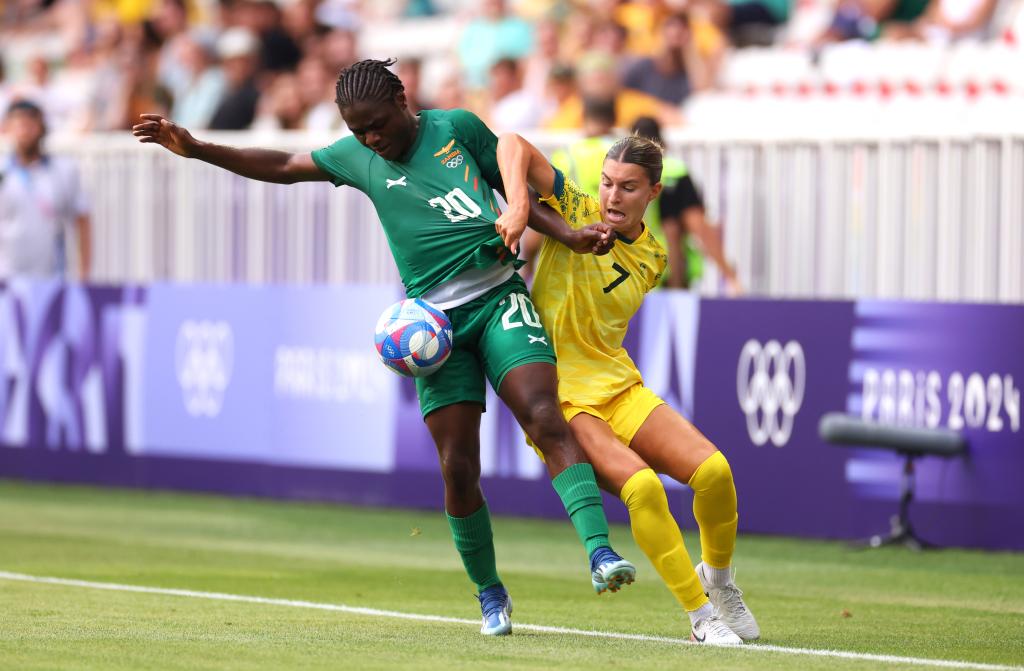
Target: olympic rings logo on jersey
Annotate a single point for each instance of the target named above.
(204, 360)
(770, 383)
(456, 161)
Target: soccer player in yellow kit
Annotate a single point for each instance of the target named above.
(627, 431)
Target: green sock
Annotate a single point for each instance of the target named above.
(577, 487)
(475, 543)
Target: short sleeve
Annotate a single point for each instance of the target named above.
(344, 161)
(481, 142)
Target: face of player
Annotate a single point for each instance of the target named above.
(625, 193)
(386, 128)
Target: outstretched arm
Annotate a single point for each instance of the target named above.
(594, 239)
(266, 165)
(522, 166)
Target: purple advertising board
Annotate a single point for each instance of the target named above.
(275, 391)
(768, 370)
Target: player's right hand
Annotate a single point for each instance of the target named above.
(153, 128)
(597, 239)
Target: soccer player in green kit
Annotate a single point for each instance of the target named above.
(430, 177)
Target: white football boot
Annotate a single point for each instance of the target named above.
(713, 631)
(728, 602)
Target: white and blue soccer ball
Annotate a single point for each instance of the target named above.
(413, 337)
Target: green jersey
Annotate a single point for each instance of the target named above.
(435, 203)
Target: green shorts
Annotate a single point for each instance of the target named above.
(492, 335)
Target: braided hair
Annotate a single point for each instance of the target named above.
(369, 80)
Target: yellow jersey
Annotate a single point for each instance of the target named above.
(586, 301)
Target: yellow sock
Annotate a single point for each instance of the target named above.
(714, 507)
(658, 535)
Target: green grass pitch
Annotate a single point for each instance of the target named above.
(945, 605)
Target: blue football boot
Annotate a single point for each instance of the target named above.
(609, 571)
(496, 606)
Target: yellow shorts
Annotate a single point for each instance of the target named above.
(625, 413)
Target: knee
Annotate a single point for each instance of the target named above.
(712, 474)
(643, 490)
(543, 421)
(460, 472)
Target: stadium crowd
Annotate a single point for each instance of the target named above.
(94, 65)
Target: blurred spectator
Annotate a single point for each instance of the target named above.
(170, 23)
(537, 66)
(511, 107)
(316, 89)
(410, 70)
(863, 19)
(339, 50)
(578, 35)
(748, 22)
(41, 201)
(5, 94)
(196, 100)
(677, 217)
(582, 160)
(450, 93)
(944, 21)
(610, 38)
(560, 90)
(281, 107)
(143, 92)
(598, 78)
(494, 34)
(278, 51)
(666, 74)
(641, 18)
(238, 49)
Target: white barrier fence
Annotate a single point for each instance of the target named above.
(937, 217)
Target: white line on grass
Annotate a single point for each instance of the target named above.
(373, 612)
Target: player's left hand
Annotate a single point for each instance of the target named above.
(510, 226)
(597, 239)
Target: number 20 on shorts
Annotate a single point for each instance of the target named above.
(521, 304)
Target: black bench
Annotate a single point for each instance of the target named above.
(910, 443)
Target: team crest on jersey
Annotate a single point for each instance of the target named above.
(451, 157)
(445, 149)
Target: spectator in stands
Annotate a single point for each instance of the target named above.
(5, 94)
(747, 22)
(409, 70)
(863, 19)
(339, 50)
(170, 24)
(666, 75)
(450, 92)
(641, 19)
(582, 160)
(238, 49)
(598, 78)
(944, 21)
(537, 66)
(493, 35)
(511, 107)
(278, 51)
(610, 38)
(281, 107)
(41, 201)
(197, 97)
(678, 217)
(316, 89)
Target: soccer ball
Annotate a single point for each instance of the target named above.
(413, 337)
